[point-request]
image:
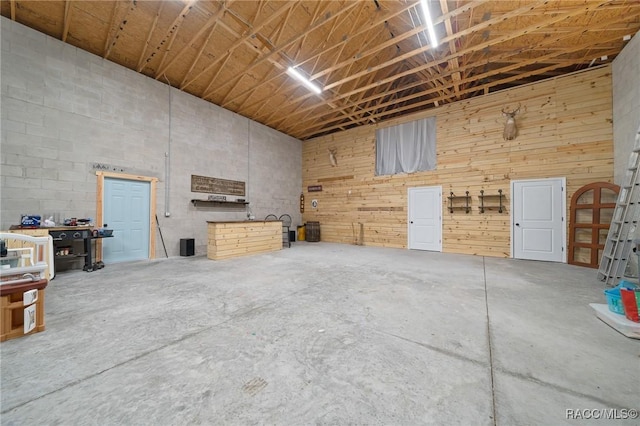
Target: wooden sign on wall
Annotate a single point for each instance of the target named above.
(216, 186)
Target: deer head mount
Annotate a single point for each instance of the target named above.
(332, 156)
(510, 129)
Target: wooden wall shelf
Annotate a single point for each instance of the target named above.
(456, 198)
(491, 198)
(219, 203)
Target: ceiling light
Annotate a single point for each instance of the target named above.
(430, 29)
(296, 74)
(626, 38)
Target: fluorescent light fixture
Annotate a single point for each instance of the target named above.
(296, 74)
(427, 18)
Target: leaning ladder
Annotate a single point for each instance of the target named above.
(617, 248)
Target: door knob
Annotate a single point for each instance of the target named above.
(517, 224)
(411, 221)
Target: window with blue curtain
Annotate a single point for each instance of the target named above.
(406, 148)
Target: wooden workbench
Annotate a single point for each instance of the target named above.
(240, 238)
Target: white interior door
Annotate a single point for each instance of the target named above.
(538, 228)
(126, 211)
(425, 218)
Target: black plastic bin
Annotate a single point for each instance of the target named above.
(187, 247)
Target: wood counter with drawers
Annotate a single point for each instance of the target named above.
(240, 238)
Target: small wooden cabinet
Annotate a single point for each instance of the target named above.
(15, 311)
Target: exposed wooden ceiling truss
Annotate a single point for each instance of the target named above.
(372, 57)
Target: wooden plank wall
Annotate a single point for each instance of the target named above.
(565, 130)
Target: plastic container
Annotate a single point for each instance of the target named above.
(630, 305)
(614, 299)
(30, 220)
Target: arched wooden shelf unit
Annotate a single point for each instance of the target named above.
(590, 217)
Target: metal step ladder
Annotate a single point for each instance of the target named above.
(618, 247)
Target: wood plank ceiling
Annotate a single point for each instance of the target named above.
(372, 57)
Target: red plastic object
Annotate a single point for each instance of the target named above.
(630, 305)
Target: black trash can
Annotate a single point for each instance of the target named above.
(187, 247)
(292, 236)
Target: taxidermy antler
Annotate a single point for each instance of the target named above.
(510, 129)
(332, 156)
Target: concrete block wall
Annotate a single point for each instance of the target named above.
(626, 104)
(64, 110)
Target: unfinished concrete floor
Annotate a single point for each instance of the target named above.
(321, 334)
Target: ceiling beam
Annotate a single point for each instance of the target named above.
(173, 27)
(67, 20)
(209, 24)
(266, 103)
(354, 106)
(116, 6)
(240, 40)
(355, 109)
(152, 28)
(417, 30)
(453, 63)
(119, 27)
(245, 39)
(517, 33)
(280, 29)
(418, 51)
(405, 56)
(320, 7)
(199, 54)
(270, 48)
(167, 50)
(291, 41)
(371, 27)
(12, 4)
(215, 76)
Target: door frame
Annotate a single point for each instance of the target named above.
(152, 206)
(438, 187)
(564, 212)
